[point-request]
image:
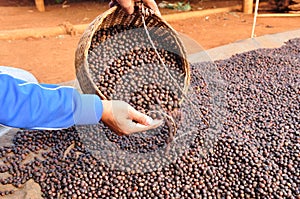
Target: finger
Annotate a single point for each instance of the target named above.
(127, 5)
(139, 117)
(136, 127)
(153, 6)
(155, 124)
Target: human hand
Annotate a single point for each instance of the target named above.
(123, 119)
(128, 5)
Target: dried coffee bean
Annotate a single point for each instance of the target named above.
(255, 155)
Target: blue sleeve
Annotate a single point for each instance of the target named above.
(36, 106)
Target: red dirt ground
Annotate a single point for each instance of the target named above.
(51, 59)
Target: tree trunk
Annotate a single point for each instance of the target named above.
(40, 5)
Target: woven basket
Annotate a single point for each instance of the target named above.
(117, 16)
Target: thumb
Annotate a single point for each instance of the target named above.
(139, 117)
(137, 127)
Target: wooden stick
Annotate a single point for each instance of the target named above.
(248, 6)
(188, 15)
(40, 5)
(255, 17)
(279, 15)
(32, 32)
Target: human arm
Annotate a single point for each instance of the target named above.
(45, 106)
(128, 5)
(49, 106)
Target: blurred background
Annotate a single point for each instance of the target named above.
(44, 43)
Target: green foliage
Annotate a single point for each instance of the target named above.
(183, 6)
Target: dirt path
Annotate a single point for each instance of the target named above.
(51, 60)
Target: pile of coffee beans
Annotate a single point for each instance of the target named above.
(255, 153)
(124, 65)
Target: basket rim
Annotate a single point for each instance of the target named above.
(94, 26)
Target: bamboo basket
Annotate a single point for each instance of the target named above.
(117, 16)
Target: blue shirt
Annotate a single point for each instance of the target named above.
(45, 106)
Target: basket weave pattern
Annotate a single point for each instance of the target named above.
(116, 16)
